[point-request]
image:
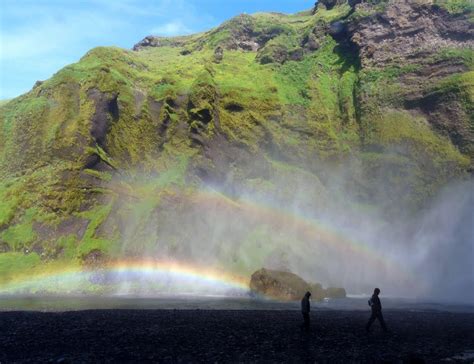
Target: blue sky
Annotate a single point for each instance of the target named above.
(39, 37)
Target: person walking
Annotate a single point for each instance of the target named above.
(376, 307)
(305, 308)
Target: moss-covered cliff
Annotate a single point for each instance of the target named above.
(101, 160)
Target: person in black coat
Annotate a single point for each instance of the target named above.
(305, 308)
(376, 307)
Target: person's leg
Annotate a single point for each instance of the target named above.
(306, 321)
(371, 321)
(382, 321)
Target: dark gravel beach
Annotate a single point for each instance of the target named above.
(173, 336)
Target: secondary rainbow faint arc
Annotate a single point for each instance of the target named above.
(328, 236)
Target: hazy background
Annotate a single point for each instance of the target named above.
(324, 238)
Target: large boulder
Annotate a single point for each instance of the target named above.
(334, 292)
(277, 284)
(288, 286)
(318, 293)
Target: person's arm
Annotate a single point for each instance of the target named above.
(378, 305)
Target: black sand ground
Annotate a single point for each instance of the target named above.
(230, 336)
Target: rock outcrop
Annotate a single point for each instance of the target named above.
(288, 286)
(407, 32)
(423, 46)
(241, 33)
(157, 41)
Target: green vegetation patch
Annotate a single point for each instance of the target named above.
(336, 13)
(466, 54)
(13, 264)
(8, 201)
(456, 6)
(21, 234)
(413, 162)
(91, 241)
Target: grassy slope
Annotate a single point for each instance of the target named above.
(298, 115)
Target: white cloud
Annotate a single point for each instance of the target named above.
(52, 35)
(37, 38)
(175, 27)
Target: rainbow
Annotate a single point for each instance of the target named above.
(73, 279)
(310, 229)
(184, 272)
(183, 276)
(302, 226)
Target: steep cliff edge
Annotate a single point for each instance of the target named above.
(431, 50)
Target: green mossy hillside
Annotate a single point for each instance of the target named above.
(102, 160)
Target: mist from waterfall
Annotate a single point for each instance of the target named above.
(332, 240)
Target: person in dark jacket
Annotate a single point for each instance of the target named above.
(305, 308)
(376, 307)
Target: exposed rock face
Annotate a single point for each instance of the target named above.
(37, 83)
(218, 55)
(407, 31)
(156, 41)
(4, 247)
(243, 35)
(94, 259)
(289, 286)
(413, 35)
(330, 4)
(106, 110)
